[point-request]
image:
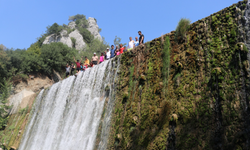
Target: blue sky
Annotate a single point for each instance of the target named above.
(22, 21)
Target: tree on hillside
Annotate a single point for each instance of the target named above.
(55, 56)
(3, 56)
(77, 17)
(2, 47)
(41, 39)
(95, 46)
(117, 41)
(5, 87)
(54, 29)
(34, 49)
(87, 36)
(4, 61)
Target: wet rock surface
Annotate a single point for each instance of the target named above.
(209, 91)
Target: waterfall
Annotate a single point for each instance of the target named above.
(244, 32)
(107, 117)
(67, 115)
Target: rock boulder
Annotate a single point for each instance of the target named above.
(80, 44)
(66, 39)
(94, 28)
(63, 38)
(72, 25)
(21, 100)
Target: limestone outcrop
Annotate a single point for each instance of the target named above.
(72, 25)
(80, 44)
(62, 38)
(65, 37)
(94, 28)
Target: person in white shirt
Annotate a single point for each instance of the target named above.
(130, 44)
(108, 54)
(67, 70)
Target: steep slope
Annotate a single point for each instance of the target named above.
(200, 100)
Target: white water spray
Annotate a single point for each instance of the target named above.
(67, 115)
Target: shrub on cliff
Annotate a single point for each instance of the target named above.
(54, 29)
(77, 17)
(5, 88)
(181, 28)
(87, 36)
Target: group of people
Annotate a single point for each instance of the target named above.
(106, 55)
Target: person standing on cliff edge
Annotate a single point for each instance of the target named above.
(78, 64)
(141, 38)
(94, 59)
(112, 52)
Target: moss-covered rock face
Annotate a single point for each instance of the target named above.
(190, 93)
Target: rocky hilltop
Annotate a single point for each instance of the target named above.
(65, 36)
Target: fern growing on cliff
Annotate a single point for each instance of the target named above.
(166, 62)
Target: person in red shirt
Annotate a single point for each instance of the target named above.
(78, 64)
(121, 49)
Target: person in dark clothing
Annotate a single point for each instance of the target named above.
(72, 68)
(112, 51)
(125, 49)
(141, 38)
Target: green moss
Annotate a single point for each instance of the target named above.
(166, 63)
(198, 64)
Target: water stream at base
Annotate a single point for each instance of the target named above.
(67, 115)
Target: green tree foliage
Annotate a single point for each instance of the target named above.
(3, 56)
(182, 27)
(40, 40)
(2, 47)
(34, 49)
(36, 59)
(21, 60)
(95, 46)
(55, 56)
(82, 25)
(5, 88)
(54, 29)
(87, 36)
(80, 20)
(77, 17)
(73, 40)
(4, 63)
(100, 30)
(117, 41)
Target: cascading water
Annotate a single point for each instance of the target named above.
(244, 32)
(107, 117)
(67, 115)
